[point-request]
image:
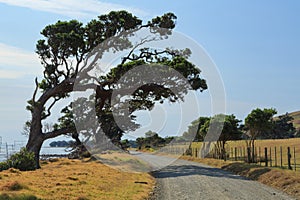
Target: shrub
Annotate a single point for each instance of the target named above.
(26, 197)
(4, 197)
(21, 197)
(14, 186)
(23, 160)
(3, 166)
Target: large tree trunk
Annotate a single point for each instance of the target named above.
(35, 145)
(36, 137)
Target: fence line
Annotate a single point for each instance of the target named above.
(288, 157)
(282, 156)
(6, 149)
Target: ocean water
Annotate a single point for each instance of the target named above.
(44, 151)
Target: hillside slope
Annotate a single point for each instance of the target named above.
(296, 121)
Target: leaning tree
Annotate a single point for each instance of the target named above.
(66, 49)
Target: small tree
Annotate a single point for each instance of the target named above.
(282, 128)
(256, 123)
(194, 132)
(230, 131)
(297, 134)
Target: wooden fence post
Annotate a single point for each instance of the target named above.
(275, 157)
(270, 156)
(289, 158)
(235, 156)
(241, 153)
(281, 156)
(253, 154)
(295, 158)
(255, 160)
(266, 156)
(259, 156)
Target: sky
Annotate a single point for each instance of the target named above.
(255, 46)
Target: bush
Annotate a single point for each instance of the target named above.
(14, 186)
(3, 166)
(21, 197)
(23, 160)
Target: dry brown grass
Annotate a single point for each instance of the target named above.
(287, 181)
(13, 186)
(75, 179)
(124, 162)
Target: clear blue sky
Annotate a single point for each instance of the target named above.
(256, 46)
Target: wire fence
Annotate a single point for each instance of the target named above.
(7, 149)
(283, 153)
(277, 156)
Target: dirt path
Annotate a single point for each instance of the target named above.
(190, 180)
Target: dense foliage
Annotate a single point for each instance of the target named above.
(22, 160)
(282, 128)
(64, 50)
(152, 140)
(195, 131)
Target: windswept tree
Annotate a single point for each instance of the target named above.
(256, 123)
(230, 131)
(65, 49)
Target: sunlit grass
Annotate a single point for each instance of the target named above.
(124, 162)
(75, 179)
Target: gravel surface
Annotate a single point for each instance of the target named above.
(190, 180)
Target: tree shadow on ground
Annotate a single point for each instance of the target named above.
(251, 171)
(173, 171)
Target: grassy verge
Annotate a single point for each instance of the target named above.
(284, 180)
(74, 179)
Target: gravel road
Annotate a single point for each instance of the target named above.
(190, 180)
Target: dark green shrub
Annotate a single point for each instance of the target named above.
(3, 166)
(14, 186)
(20, 197)
(4, 197)
(25, 197)
(23, 160)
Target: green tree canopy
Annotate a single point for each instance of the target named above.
(256, 123)
(282, 128)
(67, 45)
(230, 130)
(259, 121)
(195, 130)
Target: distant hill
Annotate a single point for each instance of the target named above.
(296, 121)
(60, 143)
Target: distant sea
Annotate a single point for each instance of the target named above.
(44, 150)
